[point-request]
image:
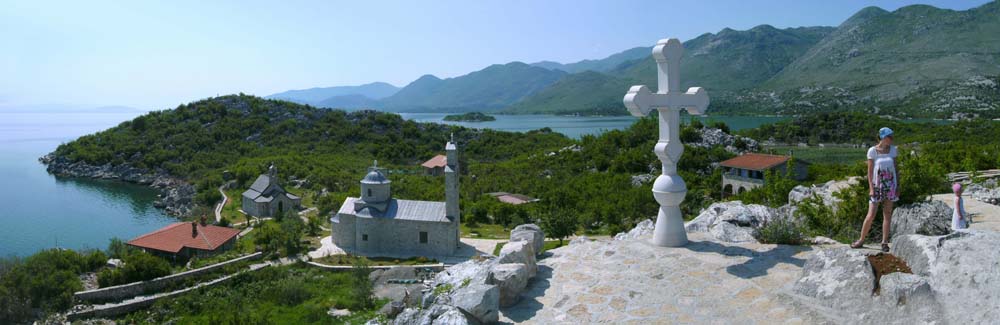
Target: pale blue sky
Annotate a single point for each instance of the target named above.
(155, 55)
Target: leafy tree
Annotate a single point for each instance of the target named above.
(361, 286)
(138, 266)
(559, 224)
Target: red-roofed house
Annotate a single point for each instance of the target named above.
(435, 166)
(184, 240)
(746, 172)
(511, 198)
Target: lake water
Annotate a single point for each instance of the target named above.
(42, 211)
(577, 126)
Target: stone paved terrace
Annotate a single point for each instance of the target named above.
(632, 281)
(984, 215)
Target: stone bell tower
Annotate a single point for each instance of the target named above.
(452, 210)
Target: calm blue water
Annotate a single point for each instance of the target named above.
(41, 211)
(577, 126)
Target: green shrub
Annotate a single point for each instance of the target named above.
(780, 231)
(139, 266)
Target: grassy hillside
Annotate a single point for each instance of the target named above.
(489, 89)
(587, 93)
(599, 65)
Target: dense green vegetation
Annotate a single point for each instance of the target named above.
(42, 282)
(470, 117)
(139, 266)
(274, 295)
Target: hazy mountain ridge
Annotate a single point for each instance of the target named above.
(314, 96)
(915, 61)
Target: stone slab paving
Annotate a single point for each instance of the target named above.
(634, 282)
(470, 247)
(984, 215)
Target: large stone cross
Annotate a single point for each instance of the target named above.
(669, 189)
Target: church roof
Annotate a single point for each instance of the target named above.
(375, 177)
(178, 235)
(264, 190)
(437, 161)
(429, 211)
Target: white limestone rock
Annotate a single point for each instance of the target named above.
(531, 233)
(839, 278)
(710, 137)
(904, 289)
(477, 271)
(579, 240)
(519, 252)
(824, 191)
(984, 193)
(511, 279)
(434, 314)
(642, 229)
(481, 301)
(820, 240)
(962, 270)
(731, 221)
(925, 218)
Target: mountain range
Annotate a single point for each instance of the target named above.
(916, 61)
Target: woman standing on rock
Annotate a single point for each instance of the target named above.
(883, 186)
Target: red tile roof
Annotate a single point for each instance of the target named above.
(755, 161)
(437, 161)
(176, 236)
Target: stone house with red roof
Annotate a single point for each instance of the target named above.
(746, 172)
(435, 166)
(184, 240)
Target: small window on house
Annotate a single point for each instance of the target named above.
(369, 192)
(364, 237)
(423, 237)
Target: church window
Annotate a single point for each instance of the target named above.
(369, 192)
(364, 237)
(423, 237)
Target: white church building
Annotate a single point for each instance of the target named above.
(376, 224)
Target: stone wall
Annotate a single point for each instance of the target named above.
(395, 237)
(115, 309)
(120, 292)
(341, 268)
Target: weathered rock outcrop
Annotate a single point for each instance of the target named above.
(824, 191)
(962, 269)
(530, 233)
(840, 278)
(511, 279)
(955, 280)
(711, 137)
(984, 194)
(176, 195)
(519, 252)
(926, 218)
(731, 221)
(642, 229)
(473, 291)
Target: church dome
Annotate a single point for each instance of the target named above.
(375, 177)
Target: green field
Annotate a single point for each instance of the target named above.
(828, 155)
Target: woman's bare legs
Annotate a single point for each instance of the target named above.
(867, 226)
(886, 220)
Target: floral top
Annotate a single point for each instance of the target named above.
(885, 183)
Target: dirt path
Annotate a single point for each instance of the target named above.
(984, 215)
(218, 208)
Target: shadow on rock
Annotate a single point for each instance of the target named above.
(759, 262)
(529, 305)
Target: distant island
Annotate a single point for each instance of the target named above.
(470, 117)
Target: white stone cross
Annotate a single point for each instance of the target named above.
(669, 189)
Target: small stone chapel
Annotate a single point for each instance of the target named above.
(267, 199)
(376, 224)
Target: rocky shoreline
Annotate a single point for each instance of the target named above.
(176, 195)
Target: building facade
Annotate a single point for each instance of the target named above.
(184, 240)
(266, 198)
(376, 224)
(746, 172)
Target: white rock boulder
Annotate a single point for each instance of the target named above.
(530, 233)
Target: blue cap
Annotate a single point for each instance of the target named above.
(884, 132)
